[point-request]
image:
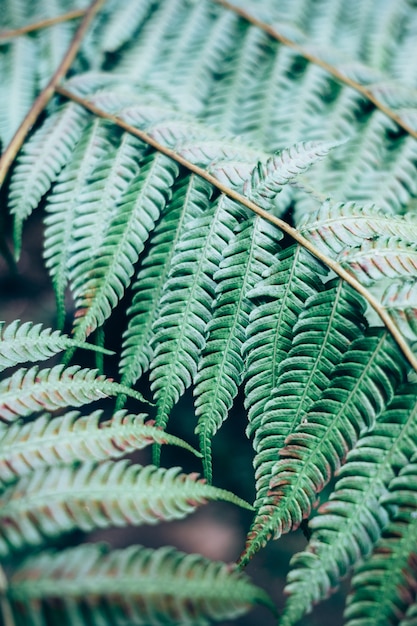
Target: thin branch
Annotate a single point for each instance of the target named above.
(51, 21)
(46, 94)
(366, 93)
(235, 195)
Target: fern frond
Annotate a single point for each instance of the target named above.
(101, 585)
(52, 42)
(384, 257)
(188, 202)
(384, 586)
(361, 386)
(98, 289)
(63, 204)
(331, 320)
(18, 69)
(351, 522)
(279, 299)
(50, 502)
(336, 227)
(47, 442)
(268, 179)
(400, 299)
(20, 343)
(99, 200)
(42, 158)
(125, 21)
(186, 307)
(251, 251)
(240, 71)
(49, 389)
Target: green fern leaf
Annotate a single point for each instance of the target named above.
(383, 586)
(336, 227)
(42, 158)
(126, 19)
(362, 385)
(20, 343)
(221, 367)
(279, 299)
(381, 258)
(49, 389)
(268, 179)
(186, 307)
(63, 205)
(351, 522)
(50, 502)
(327, 326)
(46, 442)
(99, 585)
(17, 64)
(400, 299)
(98, 289)
(187, 204)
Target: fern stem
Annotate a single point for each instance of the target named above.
(238, 197)
(50, 21)
(46, 94)
(337, 74)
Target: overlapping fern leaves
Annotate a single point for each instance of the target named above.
(304, 110)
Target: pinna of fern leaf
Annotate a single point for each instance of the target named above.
(148, 286)
(330, 321)
(45, 442)
(23, 342)
(348, 526)
(34, 389)
(186, 306)
(186, 589)
(363, 383)
(250, 252)
(384, 585)
(98, 284)
(41, 160)
(53, 501)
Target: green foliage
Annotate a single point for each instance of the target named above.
(228, 193)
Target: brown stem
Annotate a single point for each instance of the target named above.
(46, 94)
(51, 21)
(235, 195)
(272, 32)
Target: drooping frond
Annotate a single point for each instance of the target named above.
(20, 343)
(63, 204)
(351, 522)
(98, 284)
(47, 442)
(96, 584)
(18, 86)
(186, 307)
(188, 203)
(361, 386)
(279, 300)
(32, 390)
(336, 227)
(251, 251)
(384, 586)
(331, 320)
(381, 258)
(126, 20)
(48, 503)
(42, 158)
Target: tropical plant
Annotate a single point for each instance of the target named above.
(237, 182)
